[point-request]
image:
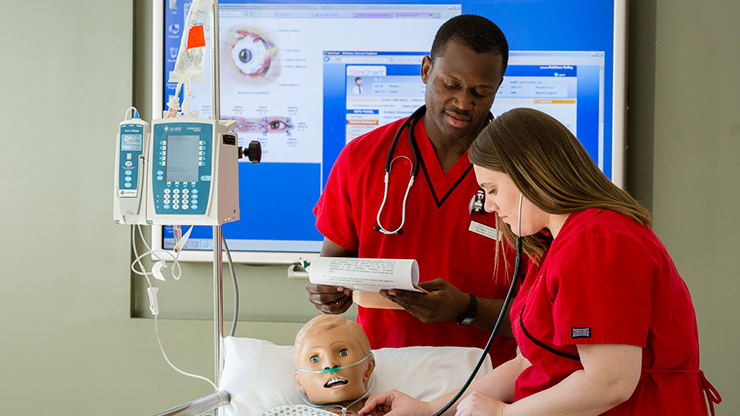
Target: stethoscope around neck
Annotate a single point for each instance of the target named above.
(409, 124)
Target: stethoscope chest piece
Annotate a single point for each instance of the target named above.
(477, 203)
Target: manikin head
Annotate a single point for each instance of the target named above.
(332, 341)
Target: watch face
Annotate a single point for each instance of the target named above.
(466, 321)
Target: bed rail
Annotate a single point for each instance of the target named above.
(198, 406)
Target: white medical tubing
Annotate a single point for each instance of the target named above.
(164, 354)
(235, 316)
(137, 260)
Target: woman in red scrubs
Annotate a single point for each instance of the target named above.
(604, 323)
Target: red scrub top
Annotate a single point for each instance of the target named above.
(436, 233)
(606, 279)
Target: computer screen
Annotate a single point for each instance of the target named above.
(305, 78)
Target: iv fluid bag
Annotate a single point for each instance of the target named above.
(190, 57)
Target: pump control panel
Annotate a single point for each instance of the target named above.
(193, 175)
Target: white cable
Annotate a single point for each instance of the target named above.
(133, 244)
(235, 317)
(143, 272)
(125, 115)
(143, 240)
(176, 271)
(164, 354)
(151, 294)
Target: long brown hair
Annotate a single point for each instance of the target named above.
(550, 167)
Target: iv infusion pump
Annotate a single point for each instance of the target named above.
(186, 172)
(193, 175)
(130, 174)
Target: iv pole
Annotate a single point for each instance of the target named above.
(218, 269)
(212, 401)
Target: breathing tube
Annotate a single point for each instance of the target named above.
(334, 369)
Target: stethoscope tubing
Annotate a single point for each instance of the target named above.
(493, 334)
(409, 124)
(501, 314)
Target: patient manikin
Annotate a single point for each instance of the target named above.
(333, 368)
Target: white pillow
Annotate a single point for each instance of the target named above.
(259, 374)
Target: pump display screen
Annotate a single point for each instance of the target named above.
(131, 142)
(182, 158)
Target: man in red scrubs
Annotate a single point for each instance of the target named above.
(455, 251)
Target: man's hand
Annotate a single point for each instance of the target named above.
(444, 302)
(329, 299)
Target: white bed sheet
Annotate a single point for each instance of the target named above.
(259, 374)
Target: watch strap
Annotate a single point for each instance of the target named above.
(469, 316)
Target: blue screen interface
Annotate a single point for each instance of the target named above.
(304, 79)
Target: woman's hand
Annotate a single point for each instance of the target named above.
(480, 404)
(395, 403)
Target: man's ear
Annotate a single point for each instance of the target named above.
(426, 68)
(297, 380)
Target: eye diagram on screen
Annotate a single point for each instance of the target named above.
(265, 125)
(252, 53)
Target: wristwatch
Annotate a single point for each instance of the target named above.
(469, 315)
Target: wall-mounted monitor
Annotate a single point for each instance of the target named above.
(304, 78)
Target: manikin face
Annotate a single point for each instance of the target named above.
(337, 347)
(502, 196)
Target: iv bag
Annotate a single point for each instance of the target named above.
(190, 57)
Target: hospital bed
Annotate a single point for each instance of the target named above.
(258, 376)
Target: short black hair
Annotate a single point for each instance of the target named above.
(475, 32)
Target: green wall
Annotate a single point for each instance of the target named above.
(682, 160)
(68, 342)
(696, 192)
